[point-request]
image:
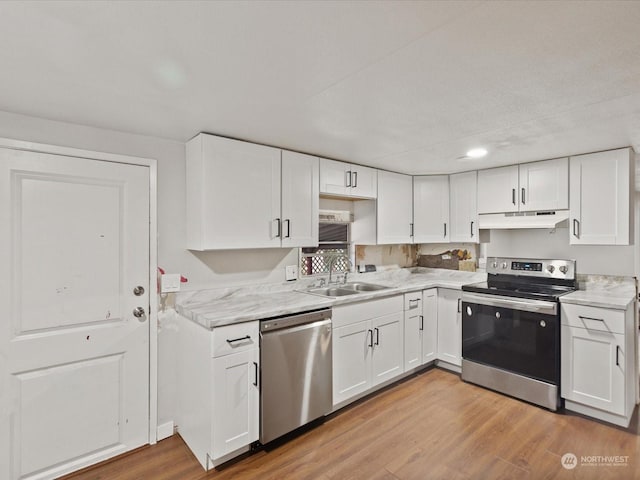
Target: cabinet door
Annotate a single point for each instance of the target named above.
(413, 326)
(449, 326)
(352, 347)
(600, 192)
(233, 194)
(431, 209)
(364, 181)
(395, 208)
(300, 199)
(498, 190)
(388, 341)
(235, 401)
(593, 368)
(429, 331)
(463, 207)
(544, 185)
(333, 177)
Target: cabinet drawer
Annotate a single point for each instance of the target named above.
(412, 301)
(593, 318)
(357, 312)
(233, 338)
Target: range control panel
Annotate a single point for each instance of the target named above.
(565, 269)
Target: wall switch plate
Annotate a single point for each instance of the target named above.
(170, 282)
(291, 272)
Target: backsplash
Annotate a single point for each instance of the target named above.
(409, 255)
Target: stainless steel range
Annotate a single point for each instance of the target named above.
(511, 328)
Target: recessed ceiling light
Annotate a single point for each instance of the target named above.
(477, 152)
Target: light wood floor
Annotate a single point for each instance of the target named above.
(432, 426)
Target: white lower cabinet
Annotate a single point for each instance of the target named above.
(597, 362)
(367, 346)
(449, 329)
(420, 328)
(218, 391)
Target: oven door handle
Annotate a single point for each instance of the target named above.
(536, 306)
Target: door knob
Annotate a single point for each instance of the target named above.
(138, 312)
(139, 290)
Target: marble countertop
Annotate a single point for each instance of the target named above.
(603, 291)
(225, 306)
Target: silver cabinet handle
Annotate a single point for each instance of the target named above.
(617, 352)
(377, 336)
(279, 232)
(370, 332)
(355, 179)
(138, 312)
(288, 222)
(411, 229)
(513, 196)
(421, 322)
(459, 305)
(591, 318)
(576, 228)
(348, 178)
(523, 195)
(255, 371)
(472, 229)
(445, 229)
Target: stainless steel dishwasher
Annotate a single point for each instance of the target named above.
(295, 371)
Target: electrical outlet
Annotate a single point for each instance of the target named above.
(170, 282)
(291, 272)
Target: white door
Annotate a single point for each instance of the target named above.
(429, 325)
(300, 199)
(431, 209)
(498, 190)
(364, 181)
(352, 346)
(463, 207)
(235, 401)
(74, 360)
(333, 177)
(449, 326)
(395, 208)
(544, 185)
(388, 340)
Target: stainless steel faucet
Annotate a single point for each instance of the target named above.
(332, 263)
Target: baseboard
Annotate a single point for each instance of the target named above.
(164, 430)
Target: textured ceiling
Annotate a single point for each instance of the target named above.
(406, 86)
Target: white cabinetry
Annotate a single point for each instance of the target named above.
(449, 329)
(367, 346)
(420, 328)
(598, 362)
(535, 186)
(344, 179)
(600, 189)
(395, 208)
(431, 209)
(463, 207)
(218, 390)
(243, 195)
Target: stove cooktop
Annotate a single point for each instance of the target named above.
(528, 291)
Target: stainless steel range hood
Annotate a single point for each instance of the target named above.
(521, 220)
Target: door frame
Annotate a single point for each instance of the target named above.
(153, 248)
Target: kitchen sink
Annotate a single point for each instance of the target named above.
(346, 289)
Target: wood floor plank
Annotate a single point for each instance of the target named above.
(431, 426)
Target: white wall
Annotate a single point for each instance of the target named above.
(208, 269)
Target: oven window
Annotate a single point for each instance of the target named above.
(521, 342)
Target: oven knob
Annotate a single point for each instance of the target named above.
(494, 264)
(498, 315)
(563, 269)
(504, 265)
(550, 268)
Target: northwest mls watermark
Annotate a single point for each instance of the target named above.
(570, 461)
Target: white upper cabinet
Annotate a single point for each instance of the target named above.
(600, 189)
(235, 194)
(498, 190)
(431, 209)
(395, 208)
(463, 207)
(300, 199)
(544, 185)
(347, 180)
(527, 187)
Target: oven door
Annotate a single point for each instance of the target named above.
(513, 334)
